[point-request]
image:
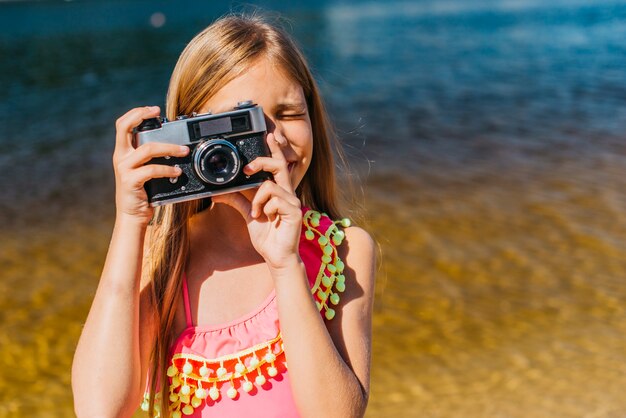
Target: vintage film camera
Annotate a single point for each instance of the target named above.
(221, 145)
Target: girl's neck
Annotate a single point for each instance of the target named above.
(221, 231)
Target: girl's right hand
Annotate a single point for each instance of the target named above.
(131, 171)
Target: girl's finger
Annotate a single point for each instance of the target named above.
(138, 177)
(275, 207)
(275, 142)
(150, 150)
(276, 166)
(267, 191)
(237, 201)
(124, 125)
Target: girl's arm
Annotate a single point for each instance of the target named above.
(329, 364)
(110, 363)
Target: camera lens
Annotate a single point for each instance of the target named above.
(216, 161)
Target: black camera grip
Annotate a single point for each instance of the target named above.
(148, 125)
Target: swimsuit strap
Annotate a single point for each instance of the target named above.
(186, 301)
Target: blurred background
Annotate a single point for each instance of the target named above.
(488, 138)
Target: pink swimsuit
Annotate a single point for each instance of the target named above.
(239, 369)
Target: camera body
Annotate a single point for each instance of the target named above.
(220, 146)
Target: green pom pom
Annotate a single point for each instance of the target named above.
(345, 222)
(328, 250)
(309, 235)
(330, 314)
(340, 286)
(326, 281)
(322, 240)
(334, 299)
(340, 266)
(326, 259)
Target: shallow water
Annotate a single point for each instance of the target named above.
(489, 139)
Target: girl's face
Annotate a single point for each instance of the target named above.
(284, 105)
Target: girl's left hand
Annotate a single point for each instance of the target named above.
(273, 216)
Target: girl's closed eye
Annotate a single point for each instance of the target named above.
(288, 116)
(291, 111)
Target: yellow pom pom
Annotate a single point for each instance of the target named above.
(201, 393)
(145, 405)
(247, 386)
(172, 371)
(188, 410)
(214, 393)
(240, 368)
(176, 414)
(173, 397)
(195, 402)
(204, 370)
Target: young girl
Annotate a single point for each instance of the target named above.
(259, 305)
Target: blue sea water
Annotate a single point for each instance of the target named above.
(429, 77)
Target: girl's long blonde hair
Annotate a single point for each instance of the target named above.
(217, 55)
